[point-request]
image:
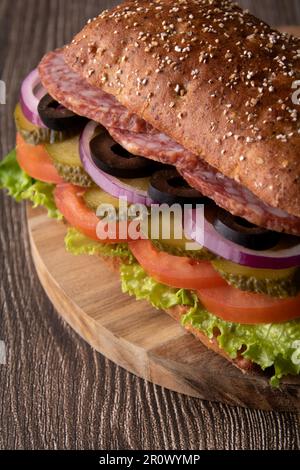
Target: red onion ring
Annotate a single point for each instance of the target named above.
(108, 183)
(213, 241)
(31, 93)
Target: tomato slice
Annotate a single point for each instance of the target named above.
(175, 271)
(35, 161)
(69, 200)
(236, 306)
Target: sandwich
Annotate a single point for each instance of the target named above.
(186, 103)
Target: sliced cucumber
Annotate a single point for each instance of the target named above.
(281, 283)
(66, 153)
(65, 157)
(32, 134)
(95, 196)
(74, 175)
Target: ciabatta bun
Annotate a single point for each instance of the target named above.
(214, 78)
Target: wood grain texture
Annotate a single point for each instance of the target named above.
(136, 336)
(55, 391)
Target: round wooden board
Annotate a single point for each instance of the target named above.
(145, 341)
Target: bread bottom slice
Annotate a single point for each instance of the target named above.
(177, 312)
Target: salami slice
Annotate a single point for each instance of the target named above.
(73, 92)
(226, 192)
(157, 146)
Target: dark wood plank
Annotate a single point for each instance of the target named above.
(55, 392)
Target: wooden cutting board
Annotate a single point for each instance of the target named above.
(145, 341)
(134, 335)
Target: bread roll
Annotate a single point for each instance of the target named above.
(211, 76)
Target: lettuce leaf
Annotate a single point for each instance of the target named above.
(41, 194)
(266, 345)
(136, 282)
(12, 178)
(22, 187)
(78, 244)
(276, 345)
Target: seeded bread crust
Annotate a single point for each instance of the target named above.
(214, 78)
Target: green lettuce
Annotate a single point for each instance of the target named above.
(12, 178)
(266, 345)
(41, 194)
(78, 244)
(22, 187)
(136, 282)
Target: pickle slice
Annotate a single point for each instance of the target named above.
(95, 196)
(174, 241)
(66, 159)
(32, 134)
(141, 184)
(201, 254)
(281, 283)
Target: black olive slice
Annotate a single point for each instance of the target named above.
(167, 186)
(243, 233)
(58, 118)
(116, 161)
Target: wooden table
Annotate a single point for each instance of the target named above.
(55, 391)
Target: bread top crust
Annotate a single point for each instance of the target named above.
(214, 78)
